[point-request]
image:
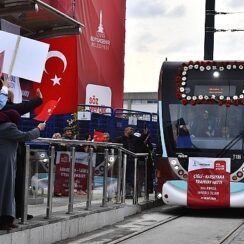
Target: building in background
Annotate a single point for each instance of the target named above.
(141, 101)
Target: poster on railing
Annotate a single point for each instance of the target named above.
(208, 182)
(61, 184)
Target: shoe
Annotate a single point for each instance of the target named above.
(5, 226)
(14, 226)
(29, 216)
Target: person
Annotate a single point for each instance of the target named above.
(56, 136)
(68, 134)
(183, 139)
(205, 127)
(106, 137)
(4, 93)
(133, 144)
(22, 108)
(100, 150)
(26, 106)
(10, 135)
(150, 166)
(225, 132)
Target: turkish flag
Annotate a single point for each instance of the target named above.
(1, 62)
(60, 75)
(47, 110)
(98, 136)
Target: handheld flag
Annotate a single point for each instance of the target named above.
(1, 62)
(47, 110)
(98, 136)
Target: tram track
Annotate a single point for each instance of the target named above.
(145, 229)
(228, 238)
(175, 225)
(231, 234)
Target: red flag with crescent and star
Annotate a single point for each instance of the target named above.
(47, 110)
(59, 78)
(98, 136)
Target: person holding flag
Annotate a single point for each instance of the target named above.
(22, 108)
(10, 135)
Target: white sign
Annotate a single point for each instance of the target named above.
(86, 115)
(132, 120)
(30, 59)
(14, 84)
(98, 96)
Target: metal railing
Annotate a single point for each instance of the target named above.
(121, 177)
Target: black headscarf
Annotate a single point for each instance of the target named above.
(10, 116)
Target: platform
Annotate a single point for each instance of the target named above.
(62, 226)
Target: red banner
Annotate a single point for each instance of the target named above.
(101, 47)
(60, 75)
(208, 182)
(61, 185)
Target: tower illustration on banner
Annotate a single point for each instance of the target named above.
(100, 28)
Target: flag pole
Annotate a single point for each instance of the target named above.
(13, 58)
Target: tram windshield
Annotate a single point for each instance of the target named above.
(206, 126)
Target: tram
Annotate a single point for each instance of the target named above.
(201, 123)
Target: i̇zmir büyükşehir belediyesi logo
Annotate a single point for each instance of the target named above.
(100, 41)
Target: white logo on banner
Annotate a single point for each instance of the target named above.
(100, 41)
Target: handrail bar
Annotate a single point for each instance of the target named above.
(89, 143)
(76, 142)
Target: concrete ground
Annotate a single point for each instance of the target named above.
(62, 225)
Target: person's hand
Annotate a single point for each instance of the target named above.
(38, 93)
(41, 126)
(145, 131)
(5, 83)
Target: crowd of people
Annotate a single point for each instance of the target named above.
(133, 141)
(12, 153)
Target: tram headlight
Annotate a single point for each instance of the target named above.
(159, 195)
(173, 162)
(234, 177)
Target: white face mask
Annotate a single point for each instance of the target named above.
(137, 134)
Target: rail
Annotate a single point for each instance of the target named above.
(121, 177)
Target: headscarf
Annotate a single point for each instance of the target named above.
(10, 116)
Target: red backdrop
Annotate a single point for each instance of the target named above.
(100, 47)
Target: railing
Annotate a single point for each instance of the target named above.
(121, 177)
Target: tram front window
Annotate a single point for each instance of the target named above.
(206, 126)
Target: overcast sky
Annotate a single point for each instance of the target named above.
(174, 29)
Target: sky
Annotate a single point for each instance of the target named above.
(174, 29)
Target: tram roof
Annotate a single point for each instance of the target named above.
(38, 19)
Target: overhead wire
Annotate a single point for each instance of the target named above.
(211, 12)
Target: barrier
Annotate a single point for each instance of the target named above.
(113, 147)
(102, 118)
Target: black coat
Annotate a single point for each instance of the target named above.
(24, 107)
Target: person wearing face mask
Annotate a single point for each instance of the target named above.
(10, 136)
(3, 93)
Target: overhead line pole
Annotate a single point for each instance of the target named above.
(209, 30)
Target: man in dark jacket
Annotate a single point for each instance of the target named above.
(134, 144)
(22, 108)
